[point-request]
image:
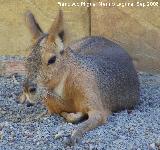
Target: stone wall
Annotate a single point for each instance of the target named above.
(136, 29)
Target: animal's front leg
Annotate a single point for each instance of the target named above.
(55, 105)
(95, 119)
(74, 117)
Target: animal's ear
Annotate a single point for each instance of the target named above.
(33, 26)
(56, 28)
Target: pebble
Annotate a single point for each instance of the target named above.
(1, 135)
(59, 135)
(152, 146)
(21, 147)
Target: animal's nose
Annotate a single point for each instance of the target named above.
(30, 86)
(29, 104)
(32, 89)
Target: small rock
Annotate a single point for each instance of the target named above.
(18, 119)
(152, 146)
(15, 80)
(21, 147)
(59, 135)
(1, 135)
(3, 112)
(91, 147)
(158, 143)
(131, 128)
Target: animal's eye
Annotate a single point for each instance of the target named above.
(52, 60)
(32, 90)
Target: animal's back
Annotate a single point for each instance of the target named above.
(116, 76)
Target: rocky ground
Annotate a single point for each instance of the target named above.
(22, 127)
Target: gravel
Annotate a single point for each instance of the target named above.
(30, 128)
(11, 58)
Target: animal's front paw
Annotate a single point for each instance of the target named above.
(21, 98)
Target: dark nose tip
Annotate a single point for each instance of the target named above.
(32, 89)
(29, 104)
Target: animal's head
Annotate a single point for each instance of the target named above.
(45, 61)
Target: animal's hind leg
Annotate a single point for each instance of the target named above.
(74, 117)
(95, 119)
